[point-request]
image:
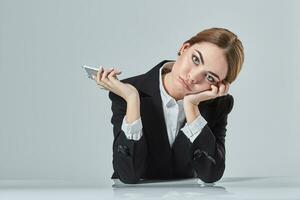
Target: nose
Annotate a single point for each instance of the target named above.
(194, 76)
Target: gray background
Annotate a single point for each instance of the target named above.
(55, 123)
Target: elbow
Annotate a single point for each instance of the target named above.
(124, 175)
(210, 179)
(213, 175)
(129, 180)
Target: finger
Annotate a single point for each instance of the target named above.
(112, 76)
(99, 73)
(117, 72)
(214, 90)
(221, 90)
(100, 68)
(105, 79)
(104, 75)
(99, 78)
(227, 88)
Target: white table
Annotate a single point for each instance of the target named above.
(226, 188)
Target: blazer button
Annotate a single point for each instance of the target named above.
(211, 159)
(197, 154)
(123, 149)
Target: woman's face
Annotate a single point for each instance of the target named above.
(199, 66)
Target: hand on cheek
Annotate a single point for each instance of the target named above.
(214, 90)
(218, 90)
(222, 90)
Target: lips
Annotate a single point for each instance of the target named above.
(184, 83)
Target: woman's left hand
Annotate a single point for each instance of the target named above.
(212, 93)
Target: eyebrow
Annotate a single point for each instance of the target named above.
(214, 74)
(202, 60)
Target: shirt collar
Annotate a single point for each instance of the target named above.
(166, 98)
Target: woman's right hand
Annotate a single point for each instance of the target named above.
(109, 81)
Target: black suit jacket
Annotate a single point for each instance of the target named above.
(151, 157)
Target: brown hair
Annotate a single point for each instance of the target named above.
(225, 39)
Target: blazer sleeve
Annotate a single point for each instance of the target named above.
(129, 156)
(206, 154)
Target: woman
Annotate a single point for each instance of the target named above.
(170, 122)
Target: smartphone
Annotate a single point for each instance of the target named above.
(90, 71)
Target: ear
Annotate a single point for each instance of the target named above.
(183, 48)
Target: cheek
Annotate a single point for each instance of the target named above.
(178, 70)
(185, 61)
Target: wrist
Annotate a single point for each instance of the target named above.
(132, 98)
(191, 111)
(186, 102)
(132, 109)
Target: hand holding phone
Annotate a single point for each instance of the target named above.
(107, 79)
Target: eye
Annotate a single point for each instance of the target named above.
(195, 59)
(210, 78)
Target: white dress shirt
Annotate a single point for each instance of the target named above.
(173, 113)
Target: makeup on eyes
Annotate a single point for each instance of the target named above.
(193, 56)
(214, 76)
(211, 76)
(200, 55)
(202, 60)
(213, 80)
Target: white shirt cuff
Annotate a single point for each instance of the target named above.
(193, 129)
(134, 130)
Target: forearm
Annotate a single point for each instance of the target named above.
(130, 155)
(129, 158)
(191, 111)
(133, 108)
(206, 155)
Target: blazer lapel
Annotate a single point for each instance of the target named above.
(153, 119)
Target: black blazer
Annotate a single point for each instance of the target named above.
(151, 157)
